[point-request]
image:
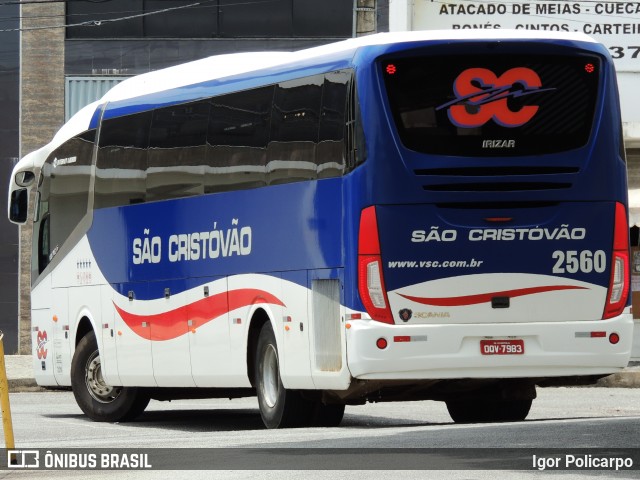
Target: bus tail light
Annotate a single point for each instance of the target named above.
(619, 284)
(370, 276)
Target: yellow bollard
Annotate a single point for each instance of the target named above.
(7, 425)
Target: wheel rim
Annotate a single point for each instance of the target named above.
(270, 378)
(97, 387)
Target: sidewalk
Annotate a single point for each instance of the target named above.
(20, 375)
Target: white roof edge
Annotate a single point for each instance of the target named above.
(79, 123)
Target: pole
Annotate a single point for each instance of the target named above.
(7, 425)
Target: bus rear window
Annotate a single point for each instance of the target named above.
(500, 105)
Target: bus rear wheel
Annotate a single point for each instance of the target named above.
(98, 400)
(279, 407)
(481, 410)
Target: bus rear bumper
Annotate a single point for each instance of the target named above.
(454, 351)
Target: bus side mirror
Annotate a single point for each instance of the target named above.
(25, 178)
(18, 205)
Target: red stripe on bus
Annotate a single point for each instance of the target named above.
(172, 324)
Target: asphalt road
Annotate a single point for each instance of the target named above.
(561, 418)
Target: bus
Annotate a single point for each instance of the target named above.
(406, 216)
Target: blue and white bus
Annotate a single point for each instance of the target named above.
(411, 216)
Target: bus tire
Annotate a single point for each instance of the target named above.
(479, 411)
(279, 407)
(99, 401)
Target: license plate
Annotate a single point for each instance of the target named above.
(502, 347)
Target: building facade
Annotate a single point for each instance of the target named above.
(70, 52)
(9, 154)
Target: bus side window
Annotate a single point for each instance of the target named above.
(237, 140)
(295, 125)
(177, 150)
(121, 168)
(44, 243)
(41, 226)
(330, 155)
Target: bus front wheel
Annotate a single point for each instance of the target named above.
(98, 400)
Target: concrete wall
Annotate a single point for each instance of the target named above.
(41, 115)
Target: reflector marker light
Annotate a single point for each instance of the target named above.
(498, 219)
(591, 334)
(614, 338)
(381, 343)
(409, 338)
(354, 316)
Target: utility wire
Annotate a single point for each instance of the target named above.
(120, 12)
(207, 4)
(30, 2)
(97, 23)
(77, 15)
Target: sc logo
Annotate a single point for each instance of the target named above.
(42, 341)
(483, 89)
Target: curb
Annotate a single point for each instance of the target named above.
(19, 385)
(629, 378)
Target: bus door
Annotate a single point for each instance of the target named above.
(47, 308)
(42, 338)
